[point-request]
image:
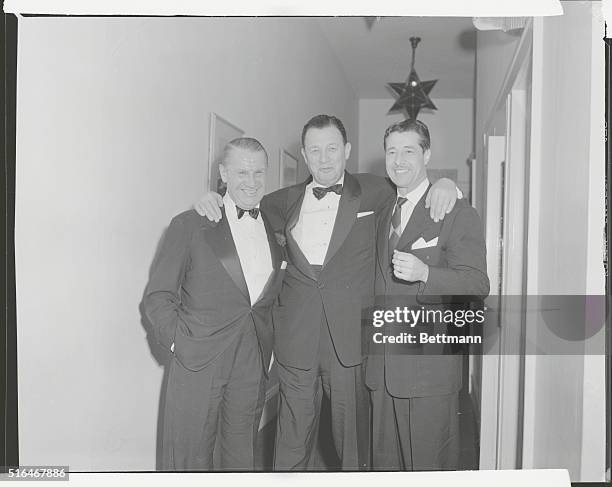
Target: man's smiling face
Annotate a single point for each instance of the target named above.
(405, 159)
(244, 172)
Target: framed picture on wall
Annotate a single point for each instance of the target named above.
(221, 132)
(288, 169)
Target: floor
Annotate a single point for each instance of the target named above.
(327, 459)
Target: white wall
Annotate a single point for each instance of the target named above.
(494, 53)
(450, 127)
(112, 141)
(565, 395)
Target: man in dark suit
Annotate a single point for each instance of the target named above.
(209, 299)
(415, 395)
(329, 224)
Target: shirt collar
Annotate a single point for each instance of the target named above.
(417, 193)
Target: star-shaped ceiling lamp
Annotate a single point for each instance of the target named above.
(414, 93)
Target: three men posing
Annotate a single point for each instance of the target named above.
(329, 225)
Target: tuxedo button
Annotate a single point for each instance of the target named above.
(320, 285)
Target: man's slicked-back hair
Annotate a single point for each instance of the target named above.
(323, 121)
(245, 143)
(410, 125)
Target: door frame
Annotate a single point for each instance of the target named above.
(502, 374)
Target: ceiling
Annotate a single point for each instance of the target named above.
(376, 52)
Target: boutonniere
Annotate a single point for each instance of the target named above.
(280, 239)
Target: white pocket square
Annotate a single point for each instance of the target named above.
(283, 265)
(364, 213)
(422, 244)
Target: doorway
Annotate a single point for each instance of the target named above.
(496, 377)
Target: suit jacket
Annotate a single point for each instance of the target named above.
(345, 283)
(197, 297)
(457, 268)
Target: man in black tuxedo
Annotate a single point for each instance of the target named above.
(415, 395)
(329, 222)
(329, 226)
(209, 299)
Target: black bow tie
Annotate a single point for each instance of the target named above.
(320, 192)
(253, 212)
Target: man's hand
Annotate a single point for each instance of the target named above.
(209, 205)
(441, 198)
(408, 267)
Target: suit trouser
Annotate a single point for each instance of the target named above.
(220, 405)
(300, 404)
(418, 433)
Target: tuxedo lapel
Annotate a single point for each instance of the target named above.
(275, 250)
(222, 244)
(275, 254)
(295, 198)
(346, 216)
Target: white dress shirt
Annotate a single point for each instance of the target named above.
(251, 241)
(413, 198)
(315, 225)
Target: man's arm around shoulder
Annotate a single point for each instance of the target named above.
(381, 189)
(274, 207)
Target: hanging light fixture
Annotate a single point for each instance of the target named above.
(413, 95)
